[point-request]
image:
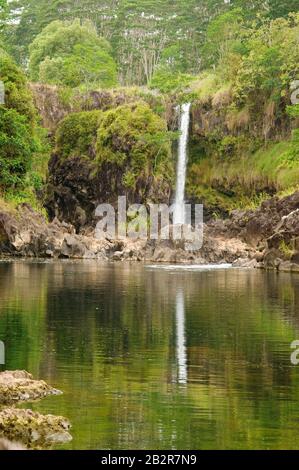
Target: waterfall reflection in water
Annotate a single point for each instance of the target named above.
(181, 338)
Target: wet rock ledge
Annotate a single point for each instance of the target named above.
(29, 429)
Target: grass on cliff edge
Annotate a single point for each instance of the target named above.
(243, 182)
(12, 199)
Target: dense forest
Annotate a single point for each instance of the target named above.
(96, 83)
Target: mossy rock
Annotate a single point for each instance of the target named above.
(34, 429)
(19, 386)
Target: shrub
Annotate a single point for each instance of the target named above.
(136, 140)
(17, 93)
(16, 148)
(76, 134)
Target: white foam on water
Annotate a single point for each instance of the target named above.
(189, 267)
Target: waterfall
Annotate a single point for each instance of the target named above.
(179, 204)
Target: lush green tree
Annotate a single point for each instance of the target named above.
(169, 76)
(271, 62)
(71, 54)
(17, 94)
(76, 135)
(3, 11)
(166, 81)
(16, 147)
(17, 119)
(135, 139)
(271, 9)
(281, 8)
(223, 37)
(138, 31)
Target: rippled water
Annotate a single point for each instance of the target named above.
(156, 358)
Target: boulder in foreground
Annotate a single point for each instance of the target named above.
(18, 386)
(34, 429)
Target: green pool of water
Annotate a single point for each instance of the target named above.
(152, 358)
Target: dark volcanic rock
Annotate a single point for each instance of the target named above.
(273, 229)
(76, 187)
(258, 225)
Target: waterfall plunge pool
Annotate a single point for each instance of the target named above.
(157, 359)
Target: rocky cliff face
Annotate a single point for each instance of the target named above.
(74, 190)
(272, 229)
(54, 104)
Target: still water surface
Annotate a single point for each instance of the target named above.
(152, 358)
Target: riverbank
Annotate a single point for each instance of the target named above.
(267, 237)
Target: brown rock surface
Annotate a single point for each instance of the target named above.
(18, 386)
(33, 429)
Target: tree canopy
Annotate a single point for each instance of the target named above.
(142, 33)
(71, 54)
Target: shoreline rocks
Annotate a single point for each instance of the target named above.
(267, 237)
(27, 234)
(33, 429)
(19, 386)
(23, 427)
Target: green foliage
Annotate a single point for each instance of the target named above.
(271, 9)
(254, 65)
(3, 13)
(293, 111)
(259, 59)
(135, 139)
(17, 120)
(229, 146)
(281, 8)
(16, 147)
(223, 36)
(76, 134)
(169, 75)
(286, 249)
(243, 181)
(144, 33)
(72, 54)
(166, 81)
(17, 94)
(139, 32)
(271, 63)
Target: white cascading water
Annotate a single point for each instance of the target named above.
(179, 204)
